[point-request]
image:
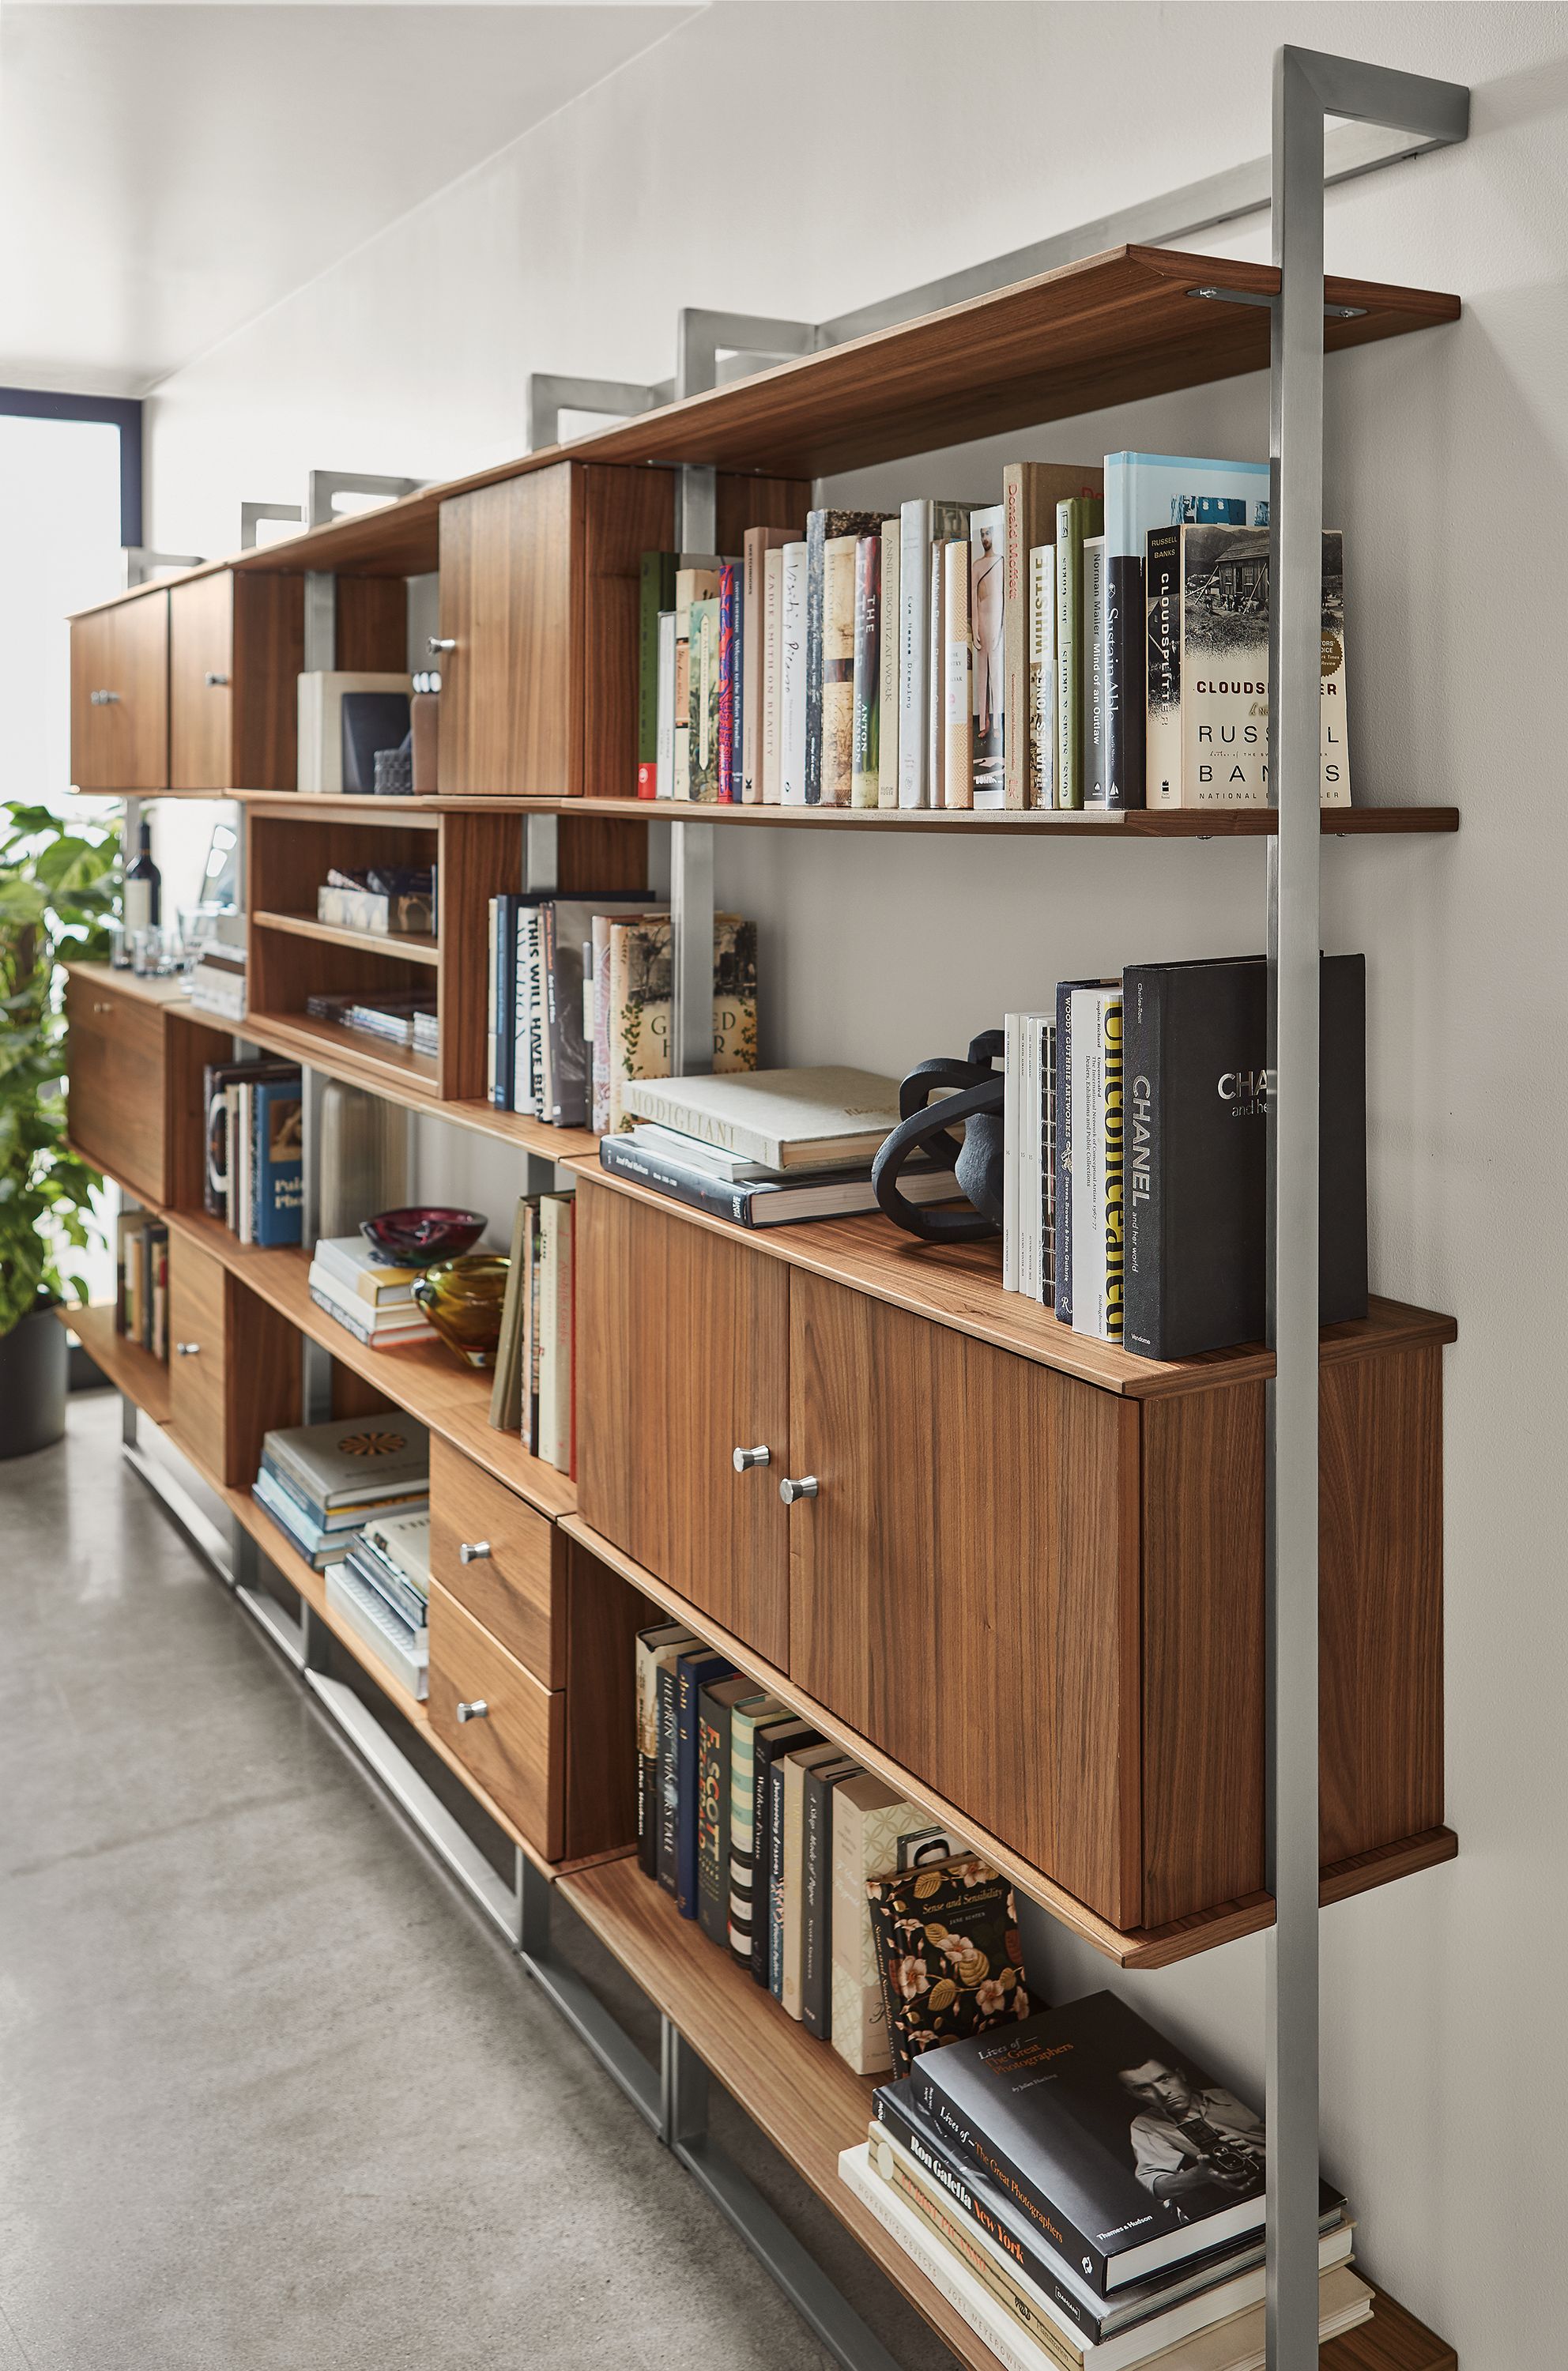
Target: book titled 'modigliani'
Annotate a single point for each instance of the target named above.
(1120, 2148)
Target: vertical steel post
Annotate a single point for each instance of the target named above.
(1296, 517)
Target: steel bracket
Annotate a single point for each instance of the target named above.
(252, 514)
(323, 487)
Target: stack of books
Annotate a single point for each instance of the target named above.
(217, 977)
(398, 1016)
(321, 1483)
(532, 1392)
(141, 1293)
(375, 1304)
(955, 654)
(382, 1591)
(766, 1150)
(1087, 2196)
(580, 1002)
(792, 1859)
(1135, 1136)
(254, 1178)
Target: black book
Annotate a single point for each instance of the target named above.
(780, 1737)
(1196, 1039)
(1126, 2157)
(816, 1894)
(664, 1785)
(715, 1703)
(372, 721)
(503, 977)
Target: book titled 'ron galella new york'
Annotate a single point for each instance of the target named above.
(1123, 2151)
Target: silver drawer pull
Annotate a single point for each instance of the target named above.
(806, 1488)
(435, 642)
(102, 698)
(473, 1551)
(479, 1710)
(215, 681)
(744, 1459)
(98, 1006)
(187, 1349)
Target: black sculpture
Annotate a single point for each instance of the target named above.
(974, 1157)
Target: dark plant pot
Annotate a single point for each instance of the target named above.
(34, 1357)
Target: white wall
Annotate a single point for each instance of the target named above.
(844, 152)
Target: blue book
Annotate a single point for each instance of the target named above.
(504, 1014)
(693, 1673)
(1145, 491)
(318, 1547)
(277, 1161)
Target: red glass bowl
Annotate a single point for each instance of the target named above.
(418, 1237)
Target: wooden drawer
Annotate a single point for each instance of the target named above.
(517, 1750)
(117, 1084)
(119, 696)
(236, 648)
(199, 1359)
(516, 1589)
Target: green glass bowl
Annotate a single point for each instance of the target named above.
(463, 1299)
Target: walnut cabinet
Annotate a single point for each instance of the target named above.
(1042, 1598)
(119, 695)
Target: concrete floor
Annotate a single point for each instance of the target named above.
(272, 2097)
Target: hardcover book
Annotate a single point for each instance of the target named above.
(666, 1776)
(1031, 491)
(987, 659)
(785, 1119)
(277, 1161)
(1081, 515)
(353, 1459)
(823, 528)
(796, 1769)
(770, 789)
(888, 617)
(1039, 686)
(656, 1648)
(715, 1703)
(793, 699)
(656, 595)
(694, 581)
(837, 765)
(732, 689)
(744, 1721)
(865, 786)
(1196, 1056)
(817, 1891)
(1145, 491)
(638, 1025)
(947, 1954)
(758, 568)
(770, 1741)
(957, 725)
(872, 1821)
(922, 525)
(1095, 1154)
(701, 1668)
(1220, 678)
(664, 746)
(1091, 659)
(1120, 2147)
(702, 699)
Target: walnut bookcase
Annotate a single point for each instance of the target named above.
(1123, 1648)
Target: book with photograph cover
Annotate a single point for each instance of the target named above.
(1222, 668)
(987, 659)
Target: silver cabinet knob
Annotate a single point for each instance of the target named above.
(98, 1006)
(102, 698)
(473, 1551)
(434, 642)
(806, 1488)
(744, 1459)
(479, 1710)
(215, 681)
(187, 1349)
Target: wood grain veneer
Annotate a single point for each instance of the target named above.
(683, 1341)
(198, 1375)
(122, 745)
(964, 1590)
(187, 1050)
(249, 631)
(371, 632)
(602, 1618)
(117, 1105)
(517, 1750)
(120, 1361)
(518, 1590)
(507, 603)
(480, 857)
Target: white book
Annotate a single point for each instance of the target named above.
(1030, 1183)
(887, 747)
(1012, 1081)
(921, 525)
(988, 665)
(772, 633)
(787, 1120)
(793, 679)
(958, 747)
(404, 1541)
(664, 743)
(392, 1642)
(404, 1318)
(732, 1167)
(1095, 1086)
(1042, 778)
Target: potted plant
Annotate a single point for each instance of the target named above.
(57, 888)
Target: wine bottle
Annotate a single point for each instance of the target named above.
(143, 886)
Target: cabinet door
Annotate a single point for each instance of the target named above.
(682, 1349)
(509, 723)
(119, 696)
(201, 684)
(964, 1587)
(117, 1082)
(198, 1357)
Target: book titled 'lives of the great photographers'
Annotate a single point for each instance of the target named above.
(1124, 2154)
(1195, 1040)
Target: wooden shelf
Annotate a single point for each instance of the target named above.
(960, 1285)
(347, 1053)
(123, 1363)
(405, 946)
(810, 2106)
(423, 1377)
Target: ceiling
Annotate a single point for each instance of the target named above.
(169, 172)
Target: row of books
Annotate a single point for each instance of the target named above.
(580, 999)
(1134, 1133)
(532, 1392)
(768, 1149)
(803, 1867)
(1089, 2197)
(374, 1304)
(141, 1282)
(254, 1174)
(952, 655)
(395, 1016)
